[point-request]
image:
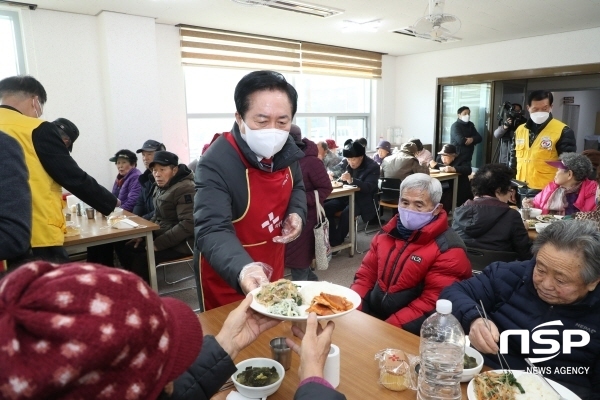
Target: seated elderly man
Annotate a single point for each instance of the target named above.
(362, 172)
(403, 163)
(413, 259)
(557, 287)
(329, 158)
(450, 161)
(173, 213)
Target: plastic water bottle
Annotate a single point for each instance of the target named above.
(442, 351)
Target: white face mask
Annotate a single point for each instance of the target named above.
(465, 118)
(539, 117)
(265, 142)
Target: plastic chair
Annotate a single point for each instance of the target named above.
(390, 190)
(481, 258)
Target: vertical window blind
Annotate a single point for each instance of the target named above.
(211, 47)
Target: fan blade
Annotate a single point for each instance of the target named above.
(423, 26)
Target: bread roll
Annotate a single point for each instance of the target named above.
(394, 370)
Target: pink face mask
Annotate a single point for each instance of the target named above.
(415, 220)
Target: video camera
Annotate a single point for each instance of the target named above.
(506, 111)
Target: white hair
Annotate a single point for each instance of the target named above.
(423, 182)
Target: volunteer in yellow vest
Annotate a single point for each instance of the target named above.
(49, 163)
(542, 138)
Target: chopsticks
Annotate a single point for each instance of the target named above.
(483, 315)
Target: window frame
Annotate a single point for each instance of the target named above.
(334, 117)
(15, 16)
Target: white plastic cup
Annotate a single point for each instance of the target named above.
(331, 372)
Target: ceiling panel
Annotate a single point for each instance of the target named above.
(483, 21)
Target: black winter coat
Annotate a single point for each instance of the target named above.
(366, 177)
(145, 204)
(300, 252)
(213, 367)
(511, 302)
(459, 133)
(462, 167)
(487, 223)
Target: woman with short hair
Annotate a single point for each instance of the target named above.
(127, 186)
(487, 222)
(571, 191)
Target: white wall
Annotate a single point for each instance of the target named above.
(172, 92)
(589, 105)
(63, 53)
(385, 100)
(416, 75)
(117, 77)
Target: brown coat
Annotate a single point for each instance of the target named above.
(174, 208)
(401, 165)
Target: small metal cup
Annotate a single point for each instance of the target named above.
(90, 212)
(281, 353)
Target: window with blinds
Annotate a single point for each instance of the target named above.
(210, 47)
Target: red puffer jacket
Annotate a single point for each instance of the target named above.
(401, 280)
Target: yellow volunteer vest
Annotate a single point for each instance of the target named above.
(531, 161)
(48, 222)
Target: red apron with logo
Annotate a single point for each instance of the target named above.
(268, 197)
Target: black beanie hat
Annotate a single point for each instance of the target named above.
(353, 149)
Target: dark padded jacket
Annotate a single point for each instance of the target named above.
(400, 280)
(459, 133)
(213, 367)
(511, 302)
(145, 203)
(15, 201)
(462, 165)
(174, 206)
(222, 197)
(366, 177)
(487, 223)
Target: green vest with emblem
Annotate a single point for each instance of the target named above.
(48, 222)
(531, 160)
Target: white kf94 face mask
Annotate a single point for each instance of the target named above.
(539, 117)
(265, 142)
(465, 118)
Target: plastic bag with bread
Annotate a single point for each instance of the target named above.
(397, 370)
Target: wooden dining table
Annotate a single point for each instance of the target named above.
(96, 231)
(448, 176)
(359, 337)
(349, 191)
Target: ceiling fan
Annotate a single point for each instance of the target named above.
(436, 25)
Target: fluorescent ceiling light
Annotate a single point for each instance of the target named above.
(369, 26)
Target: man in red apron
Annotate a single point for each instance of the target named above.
(250, 197)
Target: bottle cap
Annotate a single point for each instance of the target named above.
(443, 306)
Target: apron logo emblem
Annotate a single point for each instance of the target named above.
(287, 176)
(546, 143)
(271, 223)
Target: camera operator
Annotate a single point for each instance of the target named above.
(511, 118)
